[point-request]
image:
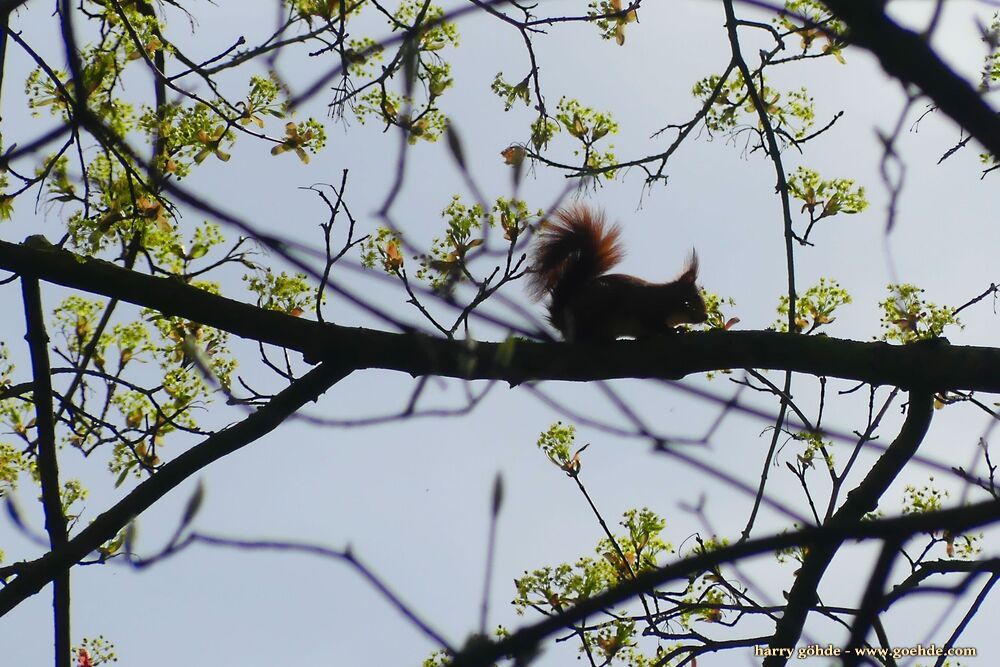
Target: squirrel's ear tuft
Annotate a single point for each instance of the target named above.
(690, 274)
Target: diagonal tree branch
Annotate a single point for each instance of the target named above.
(863, 499)
(871, 601)
(908, 57)
(33, 576)
(969, 615)
(526, 640)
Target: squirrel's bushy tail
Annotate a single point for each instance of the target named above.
(574, 247)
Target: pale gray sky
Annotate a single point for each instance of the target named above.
(412, 498)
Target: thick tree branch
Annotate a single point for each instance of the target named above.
(938, 567)
(871, 602)
(934, 364)
(863, 499)
(36, 574)
(46, 459)
(908, 57)
(8, 6)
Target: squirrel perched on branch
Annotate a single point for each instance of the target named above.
(572, 256)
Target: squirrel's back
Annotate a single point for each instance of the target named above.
(574, 251)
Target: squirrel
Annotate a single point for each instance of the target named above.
(572, 256)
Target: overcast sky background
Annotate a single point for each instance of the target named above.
(412, 498)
